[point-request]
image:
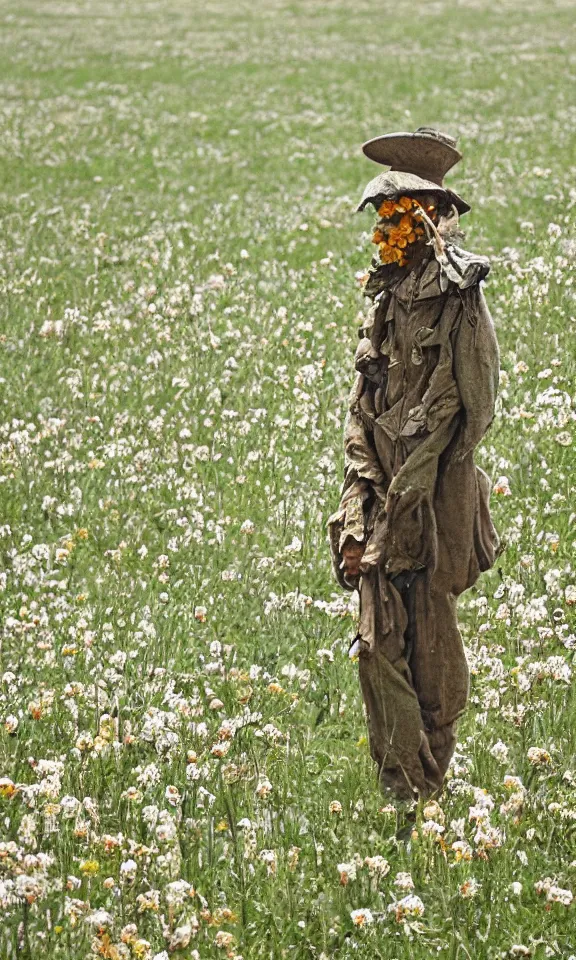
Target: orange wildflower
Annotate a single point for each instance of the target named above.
(104, 947)
(389, 254)
(387, 209)
(399, 238)
(406, 224)
(393, 237)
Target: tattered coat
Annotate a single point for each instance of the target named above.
(424, 395)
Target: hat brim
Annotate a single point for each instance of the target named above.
(414, 152)
(459, 203)
(395, 183)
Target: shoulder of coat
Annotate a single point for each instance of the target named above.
(468, 257)
(465, 269)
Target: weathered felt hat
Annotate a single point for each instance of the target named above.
(418, 163)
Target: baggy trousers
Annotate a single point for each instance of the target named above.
(413, 700)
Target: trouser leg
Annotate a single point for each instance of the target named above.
(414, 683)
(394, 724)
(437, 660)
(398, 741)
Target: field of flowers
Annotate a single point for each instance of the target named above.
(183, 760)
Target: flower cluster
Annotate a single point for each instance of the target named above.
(399, 226)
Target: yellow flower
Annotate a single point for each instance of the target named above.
(141, 948)
(7, 787)
(462, 850)
(89, 867)
(293, 855)
(245, 692)
(224, 915)
(108, 727)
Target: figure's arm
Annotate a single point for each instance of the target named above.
(476, 369)
(362, 471)
(362, 468)
(352, 541)
(347, 529)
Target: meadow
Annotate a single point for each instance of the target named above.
(183, 760)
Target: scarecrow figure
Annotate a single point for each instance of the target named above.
(413, 528)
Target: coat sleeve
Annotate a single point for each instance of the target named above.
(362, 471)
(476, 369)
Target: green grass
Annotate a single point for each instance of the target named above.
(144, 147)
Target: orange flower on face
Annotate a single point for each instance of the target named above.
(405, 203)
(396, 238)
(387, 209)
(406, 224)
(390, 254)
(403, 233)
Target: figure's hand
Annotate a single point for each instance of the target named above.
(352, 553)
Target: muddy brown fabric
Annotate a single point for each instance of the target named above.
(424, 396)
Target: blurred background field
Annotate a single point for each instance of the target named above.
(183, 762)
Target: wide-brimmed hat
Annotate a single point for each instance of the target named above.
(418, 164)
